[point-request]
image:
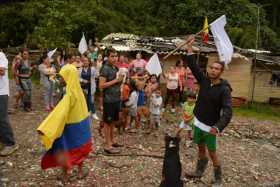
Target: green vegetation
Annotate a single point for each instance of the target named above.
(60, 23)
(259, 111)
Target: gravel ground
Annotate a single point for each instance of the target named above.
(249, 150)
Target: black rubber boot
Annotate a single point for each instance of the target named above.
(200, 168)
(217, 176)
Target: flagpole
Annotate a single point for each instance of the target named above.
(185, 43)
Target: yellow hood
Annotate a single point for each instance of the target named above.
(71, 109)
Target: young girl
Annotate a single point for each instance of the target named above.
(151, 86)
(125, 92)
(172, 85)
(181, 70)
(132, 104)
(187, 122)
(155, 108)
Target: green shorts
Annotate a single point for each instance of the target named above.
(201, 137)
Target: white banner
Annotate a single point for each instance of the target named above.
(153, 66)
(222, 41)
(83, 45)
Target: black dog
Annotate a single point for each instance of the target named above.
(172, 168)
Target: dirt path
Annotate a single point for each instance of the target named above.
(249, 150)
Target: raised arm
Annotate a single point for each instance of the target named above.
(190, 60)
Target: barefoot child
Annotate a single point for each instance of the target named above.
(155, 108)
(65, 133)
(132, 104)
(187, 122)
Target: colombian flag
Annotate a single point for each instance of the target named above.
(65, 133)
(205, 33)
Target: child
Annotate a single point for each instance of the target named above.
(132, 104)
(142, 109)
(188, 116)
(124, 98)
(65, 133)
(155, 108)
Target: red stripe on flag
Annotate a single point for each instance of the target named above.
(66, 158)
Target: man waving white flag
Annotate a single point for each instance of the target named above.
(222, 41)
(83, 45)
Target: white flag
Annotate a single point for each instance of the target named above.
(83, 45)
(153, 66)
(51, 53)
(222, 41)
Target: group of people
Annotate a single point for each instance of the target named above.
(129, 95)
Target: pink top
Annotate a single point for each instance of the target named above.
(139, 63)
(123, 65)
(190, 80)
(182, 74)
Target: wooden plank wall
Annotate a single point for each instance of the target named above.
(263, 90)
(238, 75)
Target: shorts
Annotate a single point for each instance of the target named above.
(123, 104)
(186, 126)
(155, 118)
(132, 112)
(18, 88)
(143, 111)
(111, 112)
(201, 137)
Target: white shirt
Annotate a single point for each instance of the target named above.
(172, 81)
(132, 101)
(201, 125)
(4, 80)
(155, 104)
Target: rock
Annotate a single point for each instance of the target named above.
(270, 147)
(2, 162)
(10, 164)
(5, 180)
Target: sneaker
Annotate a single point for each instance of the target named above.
(94, 116)
(173, 110)
(7, 150)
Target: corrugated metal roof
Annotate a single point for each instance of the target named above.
(160, 45)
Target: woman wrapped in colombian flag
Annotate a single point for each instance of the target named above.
(65, 133)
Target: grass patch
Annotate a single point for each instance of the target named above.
(259, 111)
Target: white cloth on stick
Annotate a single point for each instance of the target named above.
(51, 53)
(83, 45)
(153, 66)
(222, 41)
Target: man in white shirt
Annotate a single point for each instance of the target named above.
(6, 134)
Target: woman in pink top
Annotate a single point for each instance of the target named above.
(172, 84)
(138, 65)
(190, 81)
(181, 70)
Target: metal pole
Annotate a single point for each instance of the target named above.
(255, 56)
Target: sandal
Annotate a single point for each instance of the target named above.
(117, 145)
(111, 151)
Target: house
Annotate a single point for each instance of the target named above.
(240, 72)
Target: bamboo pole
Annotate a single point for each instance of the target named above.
(185, 43)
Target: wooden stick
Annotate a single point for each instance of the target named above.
(185, 43)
